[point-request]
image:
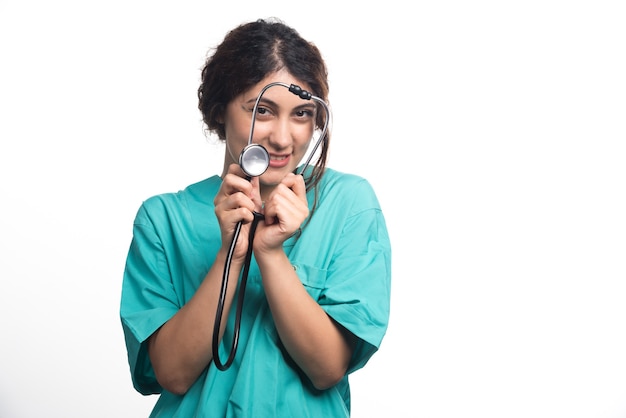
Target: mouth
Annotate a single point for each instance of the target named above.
(277, 161)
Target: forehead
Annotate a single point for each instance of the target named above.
(277, 92)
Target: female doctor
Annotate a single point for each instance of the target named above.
(318, 287)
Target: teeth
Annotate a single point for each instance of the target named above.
(278, 158)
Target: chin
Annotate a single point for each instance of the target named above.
(271, 180)
(274, 176)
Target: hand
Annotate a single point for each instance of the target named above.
(235, 202)
(285, 210)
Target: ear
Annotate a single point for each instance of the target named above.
(219, 115)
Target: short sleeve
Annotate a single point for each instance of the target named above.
(358, 283)
(148, 299)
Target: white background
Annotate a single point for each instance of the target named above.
(492, 131)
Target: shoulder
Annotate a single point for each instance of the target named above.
(348, 187)
(196, 195)
(337, 179)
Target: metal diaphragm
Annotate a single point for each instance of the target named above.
(254, 160)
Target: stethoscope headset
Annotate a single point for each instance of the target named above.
(254, 161)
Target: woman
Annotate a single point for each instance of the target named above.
(317, 295)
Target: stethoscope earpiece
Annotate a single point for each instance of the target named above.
(254, 160)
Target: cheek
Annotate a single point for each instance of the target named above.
(303, 136)
(236, 135)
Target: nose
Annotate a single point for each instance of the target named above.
(280, 136)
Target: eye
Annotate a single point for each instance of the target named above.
(263, 113)
(304, 114)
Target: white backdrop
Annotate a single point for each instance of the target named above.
(492, 131)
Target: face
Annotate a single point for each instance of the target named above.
(284, 126)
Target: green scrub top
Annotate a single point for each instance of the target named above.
(342, 256)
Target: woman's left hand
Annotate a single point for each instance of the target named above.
(284, 210)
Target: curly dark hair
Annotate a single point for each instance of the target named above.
(246, 56)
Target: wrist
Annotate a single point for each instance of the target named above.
(270, 256)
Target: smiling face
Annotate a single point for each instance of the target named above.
(284, 125)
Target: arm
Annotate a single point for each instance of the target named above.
(320, 346)
(182, 348)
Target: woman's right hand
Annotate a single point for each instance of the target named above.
(236, 200)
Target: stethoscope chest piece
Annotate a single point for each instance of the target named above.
(254, 160)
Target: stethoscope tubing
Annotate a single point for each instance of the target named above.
(240, 296)
(257, 217)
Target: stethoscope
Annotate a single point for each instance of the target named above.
(254, 161)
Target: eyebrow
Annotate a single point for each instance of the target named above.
(306, 105)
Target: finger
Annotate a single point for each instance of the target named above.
(234, 201)
(286, 207)
(296, 183)
(235, 181)
(256, 194)
(236, 169)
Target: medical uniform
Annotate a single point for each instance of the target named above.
(342, 256)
